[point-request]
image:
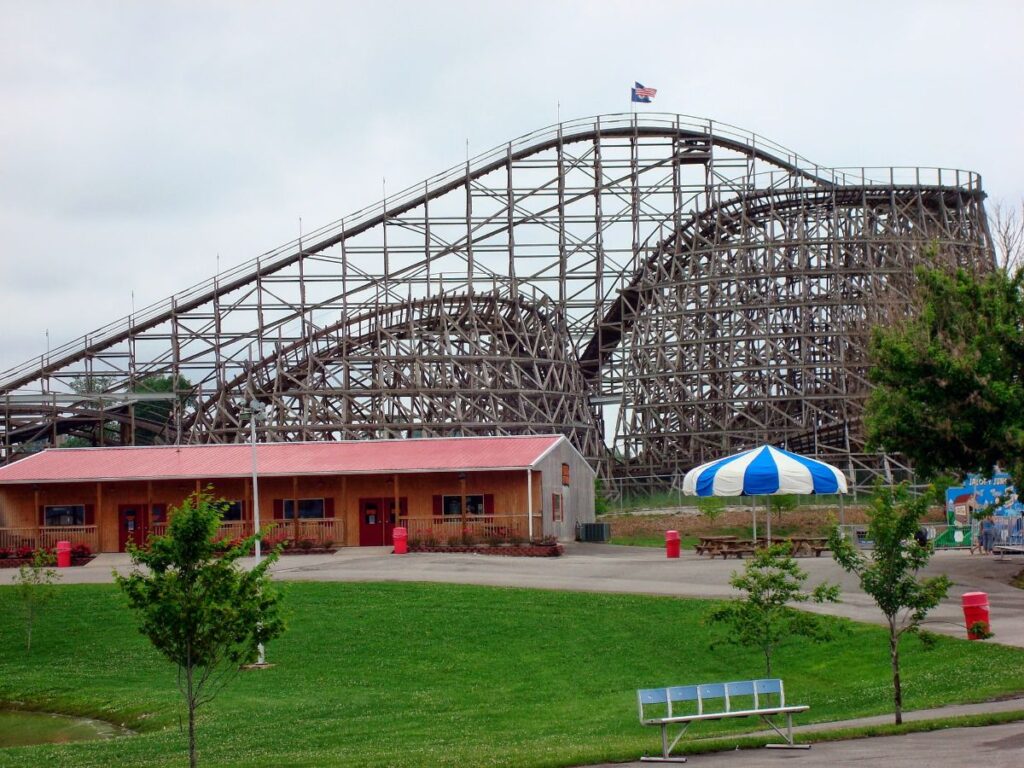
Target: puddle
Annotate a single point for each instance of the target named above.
(19, 728)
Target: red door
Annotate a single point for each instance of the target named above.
(377, 520)
(132, 525)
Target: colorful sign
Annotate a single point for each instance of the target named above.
(979, 492)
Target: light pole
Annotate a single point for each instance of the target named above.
(256, 410)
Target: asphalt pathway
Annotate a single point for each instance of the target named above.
(641, 570)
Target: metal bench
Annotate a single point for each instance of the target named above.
(714, 701)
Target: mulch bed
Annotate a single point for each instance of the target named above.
(312, 551)
(17, 562)
(525, 550)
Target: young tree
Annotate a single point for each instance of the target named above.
(34, 587)
(949, 383)
(197, 606)
(762, 617)
(889, 575)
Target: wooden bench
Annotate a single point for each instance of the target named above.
(714, 701)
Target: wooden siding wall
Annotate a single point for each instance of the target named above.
(578, 497)
(18, 506)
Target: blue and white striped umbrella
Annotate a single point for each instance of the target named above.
(763, 471)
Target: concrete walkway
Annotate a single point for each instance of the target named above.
(994, 746)
(642, 570)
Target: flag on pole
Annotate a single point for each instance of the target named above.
(643, 95)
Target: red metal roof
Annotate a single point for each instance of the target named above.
(440, 454)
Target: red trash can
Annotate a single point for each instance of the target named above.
(671, 543)
(975, 605)
(63, 554)
(400, 538)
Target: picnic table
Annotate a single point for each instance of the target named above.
(712, 545)
(738, 548)
(732, 546)
(808, 544)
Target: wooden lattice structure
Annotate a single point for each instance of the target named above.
(661, 289)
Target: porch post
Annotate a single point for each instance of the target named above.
(344, 509)
(462, 492)
(398, 509)
(35, 516)
(98, 516)
(529, 503)
(247, 507)
(295, 507)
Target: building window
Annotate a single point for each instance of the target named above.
(233, 511)
(556, 508)
(68, 514)
(452, 505)
(565, 474)
(158, 513)
(309, 509)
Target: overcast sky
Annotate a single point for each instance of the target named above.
(140, 140)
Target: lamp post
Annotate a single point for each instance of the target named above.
(256, 410)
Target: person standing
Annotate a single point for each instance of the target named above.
(988, 534)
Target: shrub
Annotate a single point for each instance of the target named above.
(455, 540)
(327, 543)
(494, 540)
(429, 538)
(24, 553)
(80, 550)
(415, 541)
(469, 538)
(516, 540)
(711, 506)
(5, 553)
(306, 544)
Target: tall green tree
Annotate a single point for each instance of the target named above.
(949, 382)
(197, 606)
(762, 616)
(889, 574)
(160, 411)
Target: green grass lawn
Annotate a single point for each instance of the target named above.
(445, 675)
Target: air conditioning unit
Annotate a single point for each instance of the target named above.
(595, 532)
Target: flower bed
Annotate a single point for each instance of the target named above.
(427, 541)
(292, 546)
(19, 556)
(508, 550)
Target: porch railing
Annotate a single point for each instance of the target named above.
(479, 527)
(47, 536)
(320, 531)
(327, 530)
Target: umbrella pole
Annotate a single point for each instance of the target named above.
(768, 522)
(842, 510)
(753, 517)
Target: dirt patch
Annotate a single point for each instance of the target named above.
(804, 521)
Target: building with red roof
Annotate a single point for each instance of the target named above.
(347, 493)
